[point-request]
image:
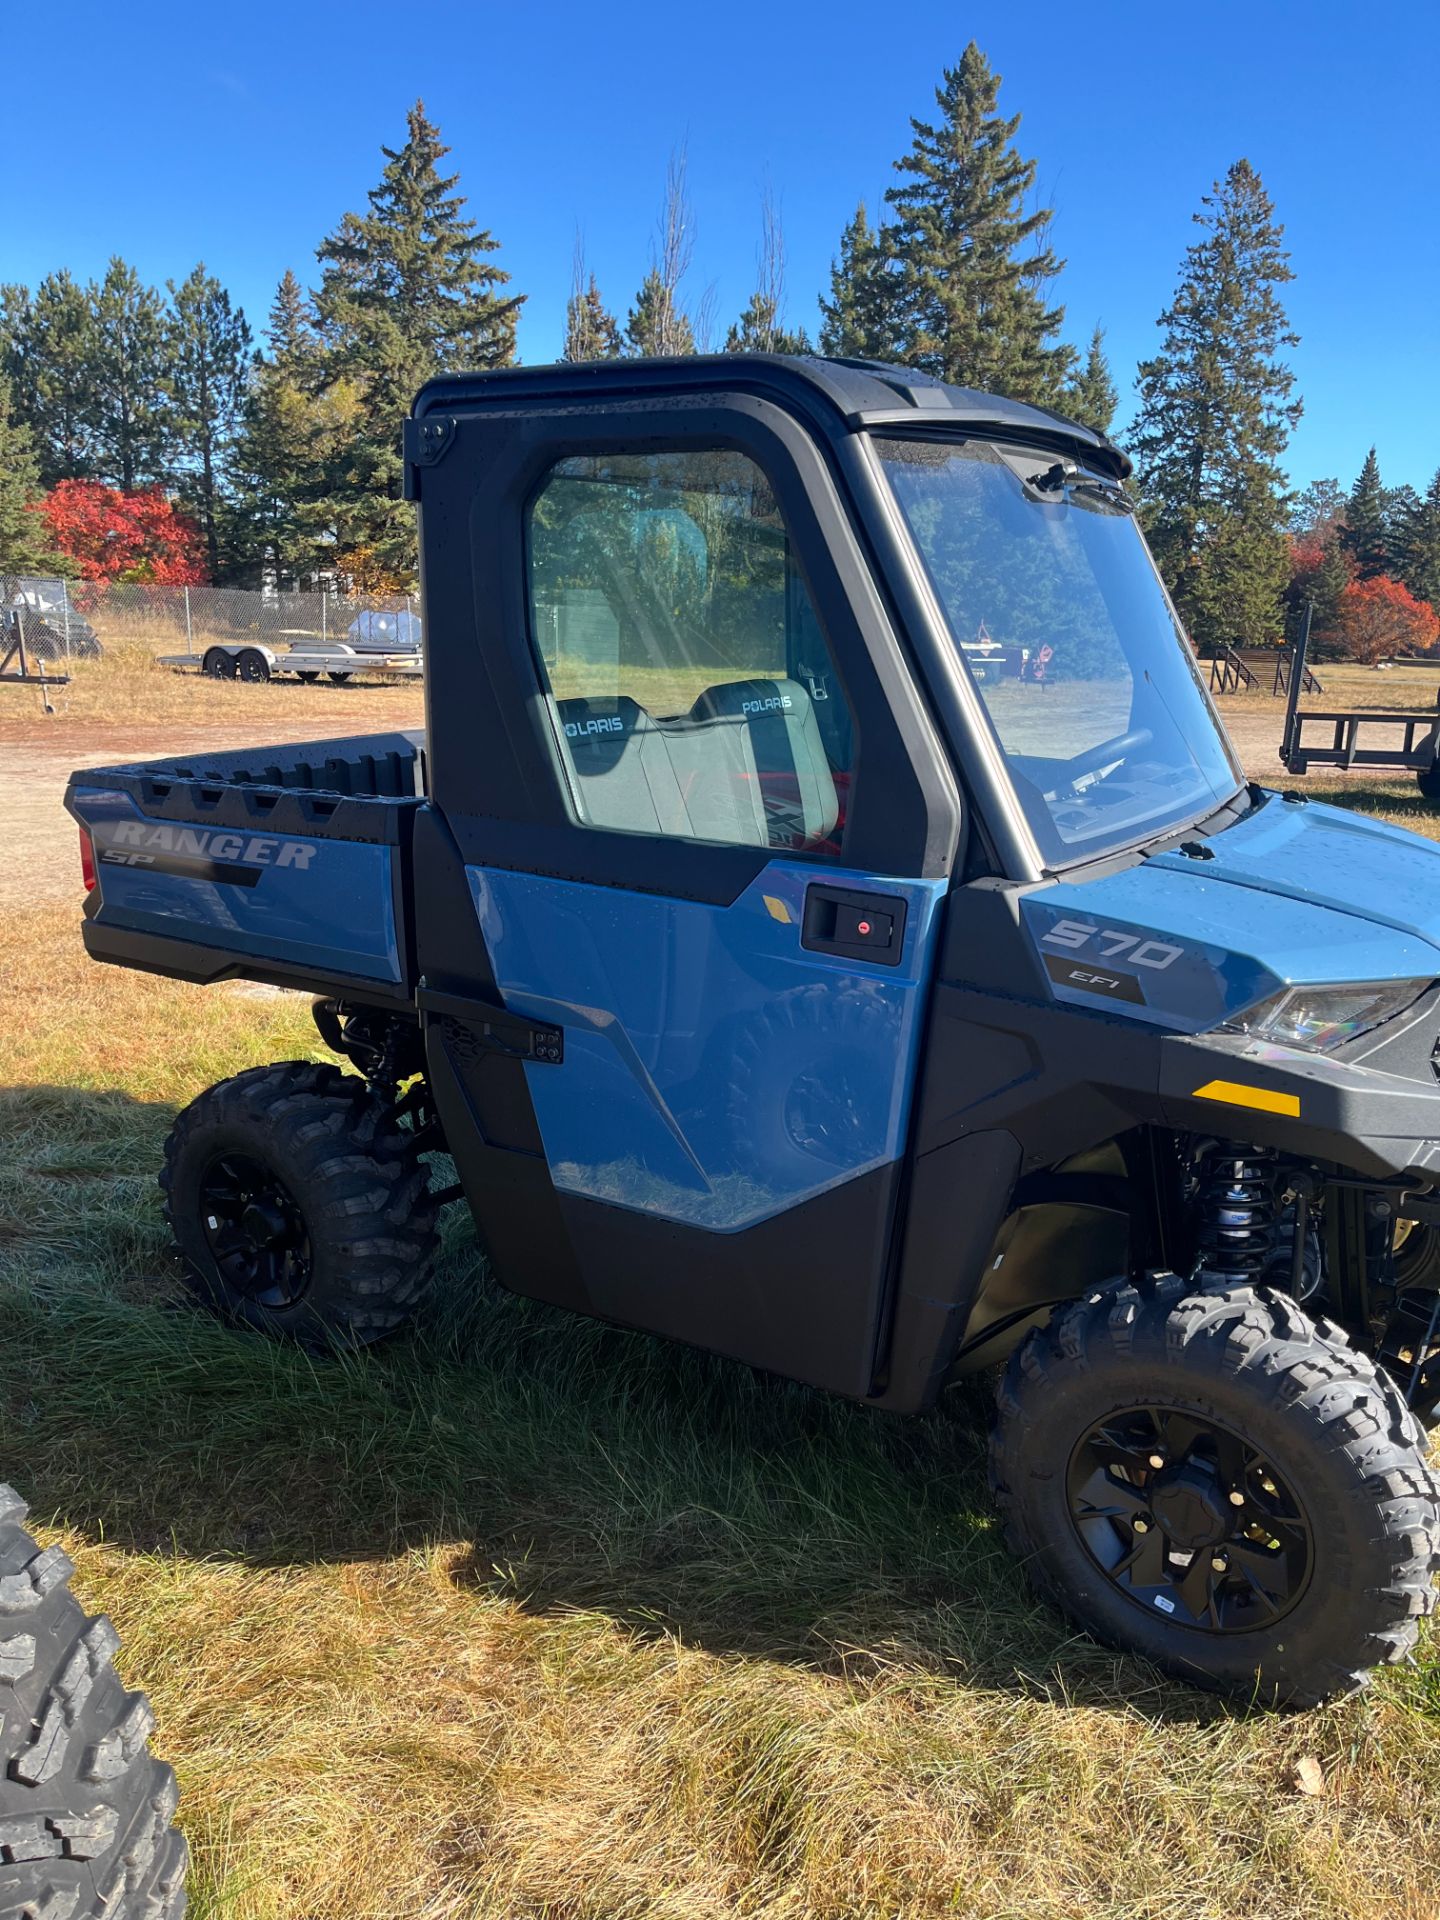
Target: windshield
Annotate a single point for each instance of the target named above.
(1060, 618)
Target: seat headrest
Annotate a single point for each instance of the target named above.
(751, 700)
(598, 726)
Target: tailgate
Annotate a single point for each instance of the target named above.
(217, 874)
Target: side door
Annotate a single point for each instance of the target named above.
(705, 829)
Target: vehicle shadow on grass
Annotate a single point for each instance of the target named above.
(1402, 801)
(561, 1464)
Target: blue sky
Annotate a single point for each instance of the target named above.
(239, 135)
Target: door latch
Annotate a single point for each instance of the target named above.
(857, 926)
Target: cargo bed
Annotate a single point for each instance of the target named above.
(280, 864)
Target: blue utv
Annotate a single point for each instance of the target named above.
(779, 982)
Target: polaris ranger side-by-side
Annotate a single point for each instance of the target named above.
(779, 984)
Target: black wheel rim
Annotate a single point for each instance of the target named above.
(255, 1232)
(1189, 1520)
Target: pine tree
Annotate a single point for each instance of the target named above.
(1366, 535)
(861, 319)
(408, 292)
(656, 324)
(591, 330)
(24, 545)
(277, 527)
(289, 332)
(1090, 397)
(1419, 560)
(1214, 419)
(131, 410)
(758, 330)
(50, 356)
(209, 361)
(974, 264)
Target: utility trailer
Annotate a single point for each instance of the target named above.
(252, 660)
(1377, 740)
(776, 984)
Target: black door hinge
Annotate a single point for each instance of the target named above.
(483, 1028)
(426, 443)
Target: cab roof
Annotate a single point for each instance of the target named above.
(863, 393)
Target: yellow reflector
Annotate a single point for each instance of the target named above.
(778, 909)
(1261, 1098)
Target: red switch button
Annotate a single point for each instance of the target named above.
(856, 928)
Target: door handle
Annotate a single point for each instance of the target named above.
(856, 926)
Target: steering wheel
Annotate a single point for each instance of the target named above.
(1107, 752)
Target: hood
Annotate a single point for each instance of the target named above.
(1292, 895)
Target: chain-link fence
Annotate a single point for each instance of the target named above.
(78, 619)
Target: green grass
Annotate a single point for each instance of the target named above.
(522, 1616)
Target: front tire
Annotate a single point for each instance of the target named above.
(300, 1206)
(1220, 1483)
(85, 1809)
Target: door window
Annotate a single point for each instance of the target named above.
(690, 686)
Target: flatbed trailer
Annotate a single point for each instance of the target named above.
(1391, 741)
(251, 660)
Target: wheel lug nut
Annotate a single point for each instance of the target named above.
(1141, 1525)
(1237, 1498)
(1157, 1459)
(1218, 1563)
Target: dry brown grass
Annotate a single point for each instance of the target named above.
(128, 687)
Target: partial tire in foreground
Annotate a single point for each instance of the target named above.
(1220, 1483)
(300, 1206)
(85, 1809)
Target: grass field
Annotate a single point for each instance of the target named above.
(522, 1617)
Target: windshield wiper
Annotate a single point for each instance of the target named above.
(1066, 477)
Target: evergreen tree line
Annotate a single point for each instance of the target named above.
(1371, 532)
(290, 457)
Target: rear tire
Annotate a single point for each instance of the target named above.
(338, 679)
(1428, 781)
(309, 678)
(218, 664)
(252, 666)
(299, 1206)
(85, 1809)
(1300, 1424)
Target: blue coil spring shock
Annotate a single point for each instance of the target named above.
(1237, 1213)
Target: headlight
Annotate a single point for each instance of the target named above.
(1320, 1019)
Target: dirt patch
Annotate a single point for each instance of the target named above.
(42, 862)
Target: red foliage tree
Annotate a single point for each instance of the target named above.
(124, 536)
(1381, 617)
